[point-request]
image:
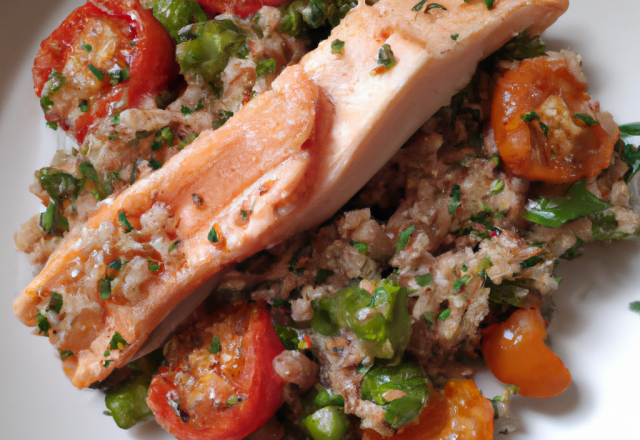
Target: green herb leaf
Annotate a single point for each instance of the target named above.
(96, 72)
(122, 218)
(573, 252)
(337, 46)
(418, 6)
(635, 306)
(629, 130)
(461, 282)
(454, 37)
(386, 57)
(361, 246)
(53, 222)
(553, 212)
(135, 170)
(586, 118)
(186, 111)
(116, 119)
(116, 264)
(154, 266)
(65, 354)
(52, 125)
(55, 302)
(84, 106)
(107, 363)
(173, 245)
(323, 274)
(258, 30)
(186, 141)
(87, 170)
(531, 116)
(104, 286)
(288, 336)
(429, 320)
(604, 226)
(454, 199)
(117, 342)
(424, 280)
(631, 156)
(43, 325)
(265, 67)
(213, 235)
(223, 117)
(281, 303)
(531, 262)
(155, 164)
(545, 129)
(445, 314)
(431, 6)
(489, 3)
(496, 187)
(215, 345)
(404, 237)
(86, 47)
(113, 136)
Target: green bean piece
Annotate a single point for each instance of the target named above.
(128, 402)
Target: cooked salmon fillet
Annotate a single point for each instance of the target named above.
(287, 161)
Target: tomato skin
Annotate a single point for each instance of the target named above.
(245, 417)
(459, 412)
(523, 147)
(153, 52)
(242, 8)
(516, 354)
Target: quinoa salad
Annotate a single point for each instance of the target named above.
(372, 323)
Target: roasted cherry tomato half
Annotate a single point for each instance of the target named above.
(107, 56)
(459, 412)
(516, 354)
(221, 383)
(241, 8)
(544, 126)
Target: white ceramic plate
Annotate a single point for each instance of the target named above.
(593, 331)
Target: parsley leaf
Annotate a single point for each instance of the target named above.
(531, 262)
(424, 280)
(117, 342)
(265, 67)
(43, 324)
(288, 336)
(404, 237)
(629, 130)
(337, 46)
(323, 274)
(461, 282)
(445, 314)
(635, 306)
(213, 235)
(104, 286)
(496, 187)
(418, 6)
(186, 111)
(586, 119)
(431, 6)
(454, 199)
(173, 245)
(531, 116)
(215, 345)
(429, 319)
(386, 57)
(55, 302)
(282, 303)
(96, 72)
(65, 354)
(122, 218)
(361, 246)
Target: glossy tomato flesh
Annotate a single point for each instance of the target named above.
(555, 147)
(224, 388)
(516, 354)
(103, 34)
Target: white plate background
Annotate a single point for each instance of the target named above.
(593, 331)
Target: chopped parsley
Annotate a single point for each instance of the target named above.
(531, 116)
(418, 6)
(461, 282)
(635, 306)
(429, 319)
(282, 303)
(445, 314)
(55, 302)
(118, 74)
(496, 187)
(122, 218)
(52, 125)
(173, 245)
(454, 199)
(424, 280)
(545, 129)
(65, 354)
(186, 111)
(244, 214)
(586, 119)
(107, 363)
(162, 136)
(43, 323)
(431, 6)
(104, 287)
(361, 246)
(117, 342)
(213, 235)
(116, 119)
(258, 30)
(404, 237)
(454, 37)
(86, 47)
(265, 67)
(223, 117)
(288, 336)
(113, 136)
(489, 3)
(155, 164)
(154, 266)
(531, 262)
(385, 57)
(116, 264)
(337, 46)
(96, 72)
(323, 274)
(84, 106)
(629, 130)
(186, 141)
(135, 170)
(215, 345)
